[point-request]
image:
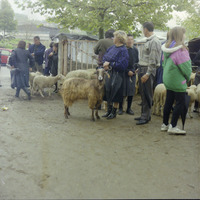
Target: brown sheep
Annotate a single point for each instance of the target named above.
(74, 89)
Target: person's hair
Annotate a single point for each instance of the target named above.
(149, 26)
(109, 33)
(51, 45)
(168, 35)
(36, 38)
(21, 44)
(121, 36)
(129, 35)
(55, 45)
(176, 34)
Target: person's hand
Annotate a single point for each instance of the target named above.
(106, 65)
(33, 54)
(51, 54)
(144, 78)
(130, 73)
(30, 69)
(136, 71)
(12, 67)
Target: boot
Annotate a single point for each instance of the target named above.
(108, 111)
(113, 114)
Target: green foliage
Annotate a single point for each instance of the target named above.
(98, 15)
(9, 44)
(192, 23)
(7, 21)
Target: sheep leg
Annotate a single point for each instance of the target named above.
(40, 91)
(92, 118)
(189, 111)
(96, 113)
(66, 112)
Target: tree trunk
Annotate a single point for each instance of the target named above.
(101, 33)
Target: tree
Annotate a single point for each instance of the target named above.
(98, 15)
(192, 23)
(7, 21)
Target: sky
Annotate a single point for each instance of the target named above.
(37, 16)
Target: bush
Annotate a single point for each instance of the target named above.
(10, 44)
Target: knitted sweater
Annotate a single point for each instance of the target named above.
(176, 59)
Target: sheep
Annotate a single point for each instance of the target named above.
(86, 74)
(159, 98)
(32, 75)
(192, 78)
(74, 89)
(198, 97)
(193, 96)
(41, 82)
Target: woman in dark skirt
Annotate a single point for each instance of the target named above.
(130, 76)
(20, 68)
(53, 63)
(116, 61)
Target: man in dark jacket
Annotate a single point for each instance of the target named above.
(37, 51)
(129, 76)
(103, 44)
(196, 61)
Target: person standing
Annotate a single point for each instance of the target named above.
(37, 51)
(20, 68)
(116, 61)
(177, 71)
(102, 46)
(46, 58)
(53, 63)
(150, 55)
(129, 76)
(196, 61)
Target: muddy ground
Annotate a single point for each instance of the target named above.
(43, 156)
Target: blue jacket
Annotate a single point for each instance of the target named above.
(39, 52)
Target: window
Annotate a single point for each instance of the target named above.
(5, 53)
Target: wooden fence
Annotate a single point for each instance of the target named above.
(76, 54)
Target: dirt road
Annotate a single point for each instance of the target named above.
(43, 156)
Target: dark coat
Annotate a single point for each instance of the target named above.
(118, 58)
(19, 59)
(129, 82)
(38, 51)
(53, 63)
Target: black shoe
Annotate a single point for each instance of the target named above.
(108, 112)
(113, 114)
(142, 121)
(16, 96)
(138, 118)
(120, 112)
(129, 111)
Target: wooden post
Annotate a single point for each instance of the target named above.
(87, 52)
(70, 55)
(60, 55)
(81, 54)
(65, 57)
(76, 53)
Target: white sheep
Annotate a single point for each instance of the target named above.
(159, 98)
(41, 82)
(32, 75)
(192, 78)
(86, 74)
(193, 96)
(198, 97)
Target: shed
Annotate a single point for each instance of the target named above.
(75, 52)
